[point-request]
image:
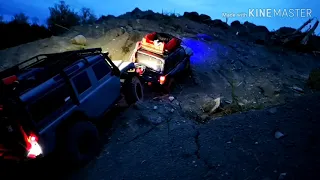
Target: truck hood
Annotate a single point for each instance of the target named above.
(123, 65)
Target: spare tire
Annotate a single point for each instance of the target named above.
(133, 90)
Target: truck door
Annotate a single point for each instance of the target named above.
(97, 89)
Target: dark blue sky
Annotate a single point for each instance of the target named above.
(214, 8)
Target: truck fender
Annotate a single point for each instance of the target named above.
(69, 121)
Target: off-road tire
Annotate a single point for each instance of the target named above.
(80, 134)
(133, 90)
(188, 67)
(169, 86)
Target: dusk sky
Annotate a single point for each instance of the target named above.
(213, 8)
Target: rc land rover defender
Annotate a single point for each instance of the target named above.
(50, 103)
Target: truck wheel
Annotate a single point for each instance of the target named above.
(169, 86)
(133, 90)
(83, 143)
(188, 67)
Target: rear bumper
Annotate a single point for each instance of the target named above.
(19, 161)
(15, 168)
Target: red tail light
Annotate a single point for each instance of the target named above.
(139, 70)
(162, 79)
(33, 146)
(9, 80)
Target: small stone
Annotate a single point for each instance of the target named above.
(256, 143)
(229, 142)
(272, 110)
(171, 98)
(282, 176)
(193, 162)
(228, 102)
(172, 110)
(240, 104)
(156, 98)
(155, 107)
(300, 90)
(204, 117)
(278, 135)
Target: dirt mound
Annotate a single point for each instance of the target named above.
(227, 62)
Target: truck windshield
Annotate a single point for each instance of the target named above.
(149, 61)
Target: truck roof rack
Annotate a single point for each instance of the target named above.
(58, 60)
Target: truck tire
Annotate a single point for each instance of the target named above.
(82, 143)
(133, 90)
(188, 66)
(169, 86)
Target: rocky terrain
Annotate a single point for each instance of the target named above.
(233, 72)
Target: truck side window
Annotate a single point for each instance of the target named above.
(82, 82)
(51, 102)
(101, 69)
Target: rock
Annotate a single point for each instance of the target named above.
(235, 23)
(282, 176)
(155, 107)
(237, 66)
(209, 105)
(156, 99)
(156, 120)
(314, 79)
(267, 89)
(172, 110)
(272, 110)
(297, 89)
(204, 18)
(204, 118)
(278, 135)
(171, 98)
(194, 16)
(219, 24)
(79, 40)
(262, 29)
